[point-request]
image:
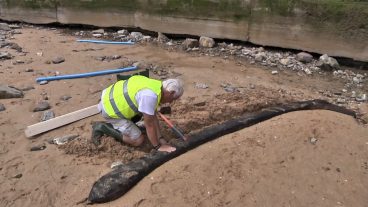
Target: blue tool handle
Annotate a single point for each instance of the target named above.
(90, 74)
(107, 42)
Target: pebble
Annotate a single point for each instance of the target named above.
(313, 140)
(38, 148)
(43, 82)
(201, 85)
(18, 175)
(2, 107)
(47, 115)
(116, 164)
(64, 139)
(42, 106)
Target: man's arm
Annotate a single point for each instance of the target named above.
(153, 132)
(149, 123)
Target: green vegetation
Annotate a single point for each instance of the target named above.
(280, 7)
(222, 9)
(33, 4)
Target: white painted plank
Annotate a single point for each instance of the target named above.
(60, 121)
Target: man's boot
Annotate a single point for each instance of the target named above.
(101, 128)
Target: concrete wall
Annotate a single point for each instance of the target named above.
(336, 27)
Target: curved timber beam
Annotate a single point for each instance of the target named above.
(119, 181)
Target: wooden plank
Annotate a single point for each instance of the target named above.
(60, 121)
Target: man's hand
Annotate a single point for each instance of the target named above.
(166, 148)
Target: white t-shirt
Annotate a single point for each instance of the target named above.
(146, 100)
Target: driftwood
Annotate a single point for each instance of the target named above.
(116, 183)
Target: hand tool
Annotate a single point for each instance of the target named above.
(176, 131)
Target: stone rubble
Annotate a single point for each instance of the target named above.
(303, 63)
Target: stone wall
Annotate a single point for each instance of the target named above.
(336, 27)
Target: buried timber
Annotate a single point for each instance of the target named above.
(201, 121)
(116, 183)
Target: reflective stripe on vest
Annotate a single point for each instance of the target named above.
(113, 104)
(119, 99)
(127, 98)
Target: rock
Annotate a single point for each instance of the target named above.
(43, 82)
(362, 98)
(14, 26)
(5, 55)
(42, 106)
(199, 103)
(201, 85)
(58, 60)
(98, 31)
(364, 118)
(26, 88)
(19, 175)
(64, 139)
(97, 35)
(65, 97)
(38, 147)
(4, 44)
(4, 27)
(115, 57)
(308, 71)
(190, 43)
(146, 38)
(100, 58)
(28, 70)
(47, 115)
(2, 107)
(313, 140)
(123, 32)
(328, 63)
(357, 80)
(137, 36)
(116, 164)
(260, 57)
(16, 47)
(285, 61)
(231, 89)
(162, 38)
(246, 51)
(274, 72)
(206, 42)
(304, 57)
(10, 92)
(260, 49)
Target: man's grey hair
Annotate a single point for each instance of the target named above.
(175, 85)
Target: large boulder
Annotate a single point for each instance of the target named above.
(162, 38)
(206, 42)
(5, 27)
(304, 57)
(328, 63)
(190, 43)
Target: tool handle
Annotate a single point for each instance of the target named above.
(168, 122)
(178, 133)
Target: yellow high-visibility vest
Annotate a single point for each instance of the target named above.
(119, 98)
